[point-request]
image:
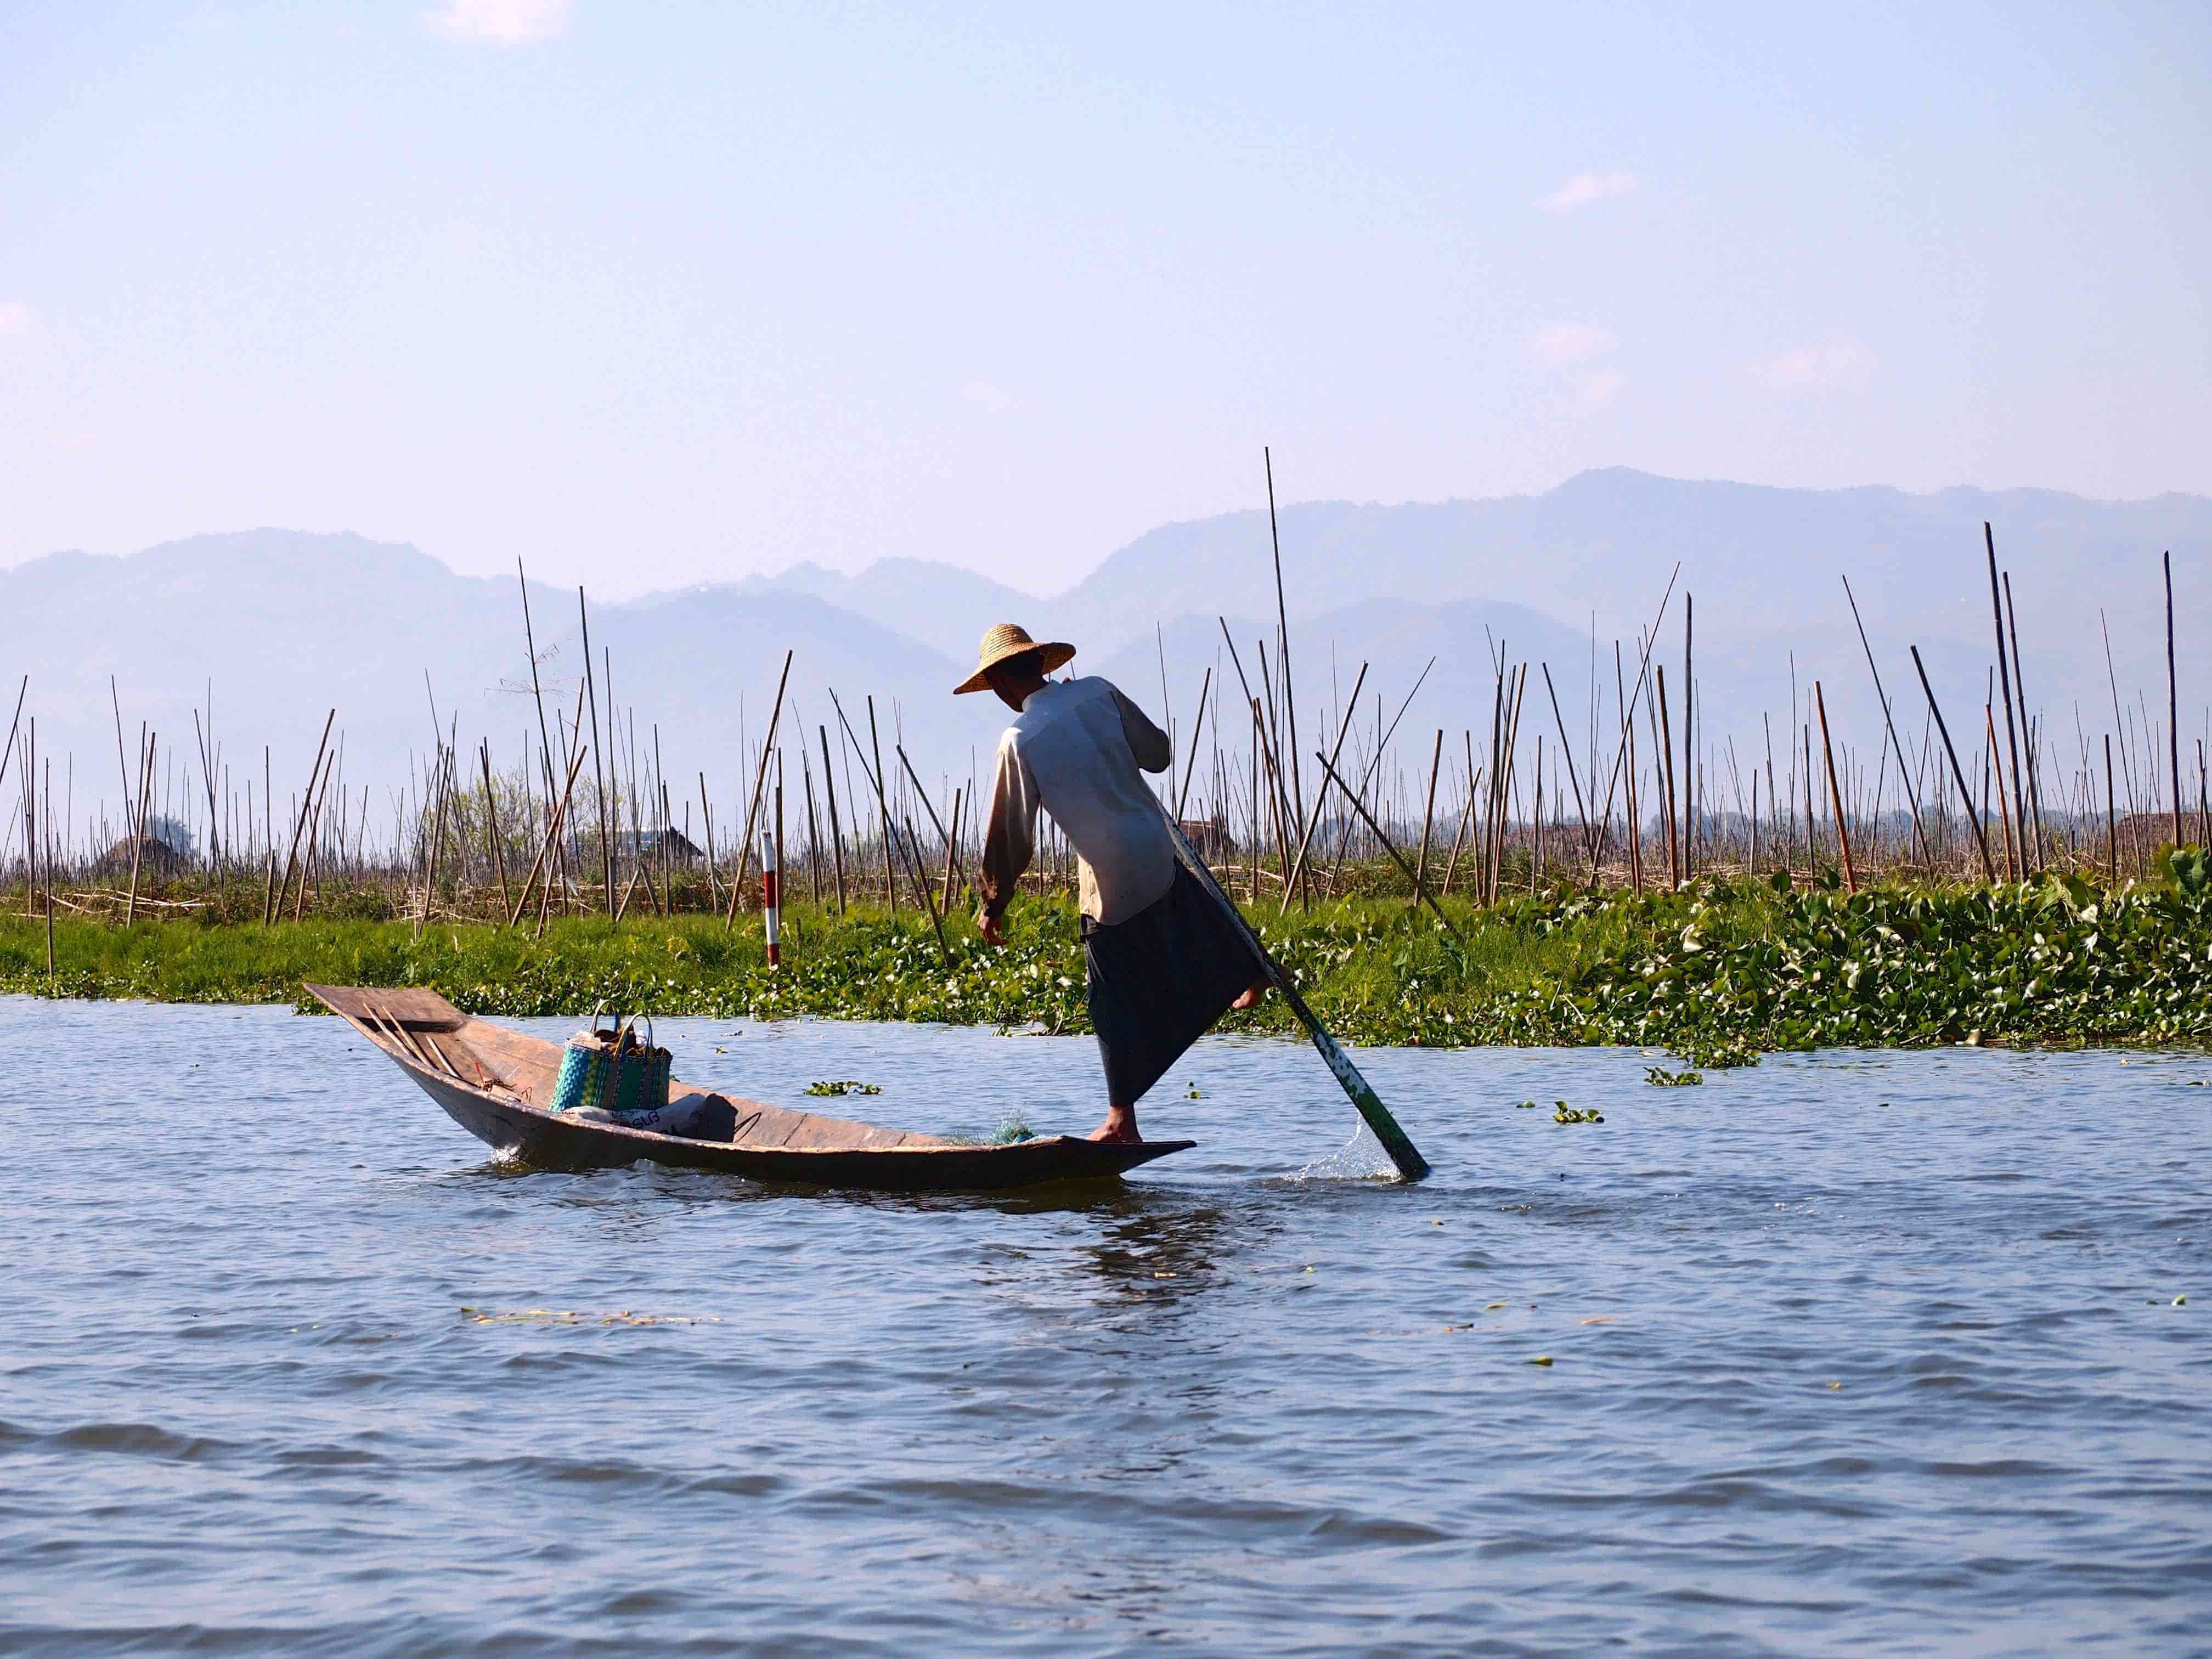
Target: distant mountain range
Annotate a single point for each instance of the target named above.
(288, 625)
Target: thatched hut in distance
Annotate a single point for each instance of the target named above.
(166, 849)
(155, 858)
(1209, 838)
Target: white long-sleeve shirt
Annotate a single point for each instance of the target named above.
(1075, 750)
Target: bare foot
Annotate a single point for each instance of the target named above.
(1252, 993)
(1119, 1128)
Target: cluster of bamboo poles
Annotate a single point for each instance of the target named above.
(587, 822)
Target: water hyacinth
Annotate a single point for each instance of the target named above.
(1715, 974)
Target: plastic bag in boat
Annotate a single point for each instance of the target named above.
(695, 1117)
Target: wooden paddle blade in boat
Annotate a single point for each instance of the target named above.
(498, 1085)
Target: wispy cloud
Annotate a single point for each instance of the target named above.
(501, 22)
(1573, 348)
(1571, 343)
(993, 399)
(1584, 188)
(1593, 392)
(1844, 364)
(16, 317)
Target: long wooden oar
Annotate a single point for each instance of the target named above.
(1411, 1166)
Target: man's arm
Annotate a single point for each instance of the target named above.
(1010, 841)
(1147, 742)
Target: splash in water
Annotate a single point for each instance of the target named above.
(1360, 1158)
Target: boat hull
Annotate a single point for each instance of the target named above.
(491, 1081)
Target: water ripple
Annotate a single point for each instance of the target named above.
(1873, 1353)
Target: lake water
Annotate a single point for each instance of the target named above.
(1862, 1351)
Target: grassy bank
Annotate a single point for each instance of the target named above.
(1715, 973)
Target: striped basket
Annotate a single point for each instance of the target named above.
(613, 1070)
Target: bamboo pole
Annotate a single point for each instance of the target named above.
(314, 825)
(952, 863)
(300, 822)
(883, 807)
(922, 795)
(1667, 781)
(910, 855)
(752, 809)
(2004, 816)
(1689, 802)
(1626, 705)
(1835, 795)
(1466, 816)
(2004, 681)
(437, 844)
(598, 767)
(2172, 701)
(207, 778)
(1274, 807)
(27, 788)
(122, 765)
(1517, 697)
(1911, 792)
(1958, 772)
(706, 828)
(2111, 821)
(268, 831)
(836, 833)
(1278, 771)
(1313, 818)
(49, 838)
(1360, 808)
(1567, 748)
(2031, 778)
(1282, 629)
(138, 828)
(537, 691)
(1190, 766)
(1428, 816)
(1752, 868)
(1625, 753)
(553, 827)
(491, 824)
(813, 825)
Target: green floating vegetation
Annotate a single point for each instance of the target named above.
(1718, 1053)
(1566, 1113)
(1715, 974)
(850, 1086)
(1660, 1077)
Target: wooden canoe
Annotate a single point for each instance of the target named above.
(498, 1085)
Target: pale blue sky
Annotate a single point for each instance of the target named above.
(656, 293)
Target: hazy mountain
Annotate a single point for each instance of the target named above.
(1766, 561)
(1764, 566)
(287, 625)
(945, 607)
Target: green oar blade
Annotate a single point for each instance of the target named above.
(1411, 1165)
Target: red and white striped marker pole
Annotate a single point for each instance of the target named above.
(771, 899)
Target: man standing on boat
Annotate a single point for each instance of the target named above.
(1162, 962)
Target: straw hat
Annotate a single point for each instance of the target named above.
(1005, 640)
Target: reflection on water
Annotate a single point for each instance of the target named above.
(1156, 1250)
(1876, 1350)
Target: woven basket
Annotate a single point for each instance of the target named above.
(612, 1070)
